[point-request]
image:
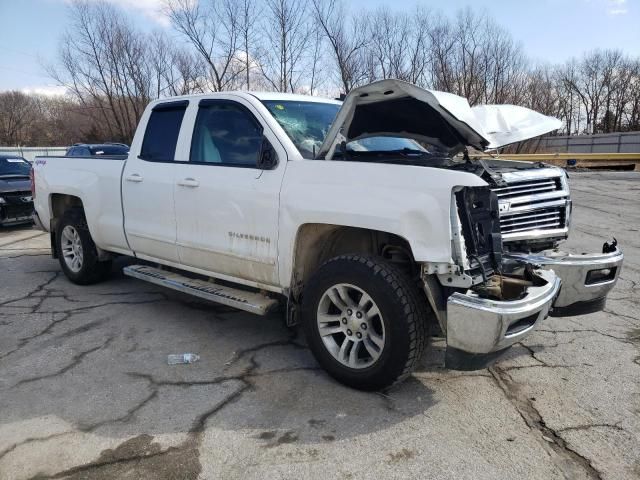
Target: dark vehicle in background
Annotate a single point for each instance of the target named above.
(16, 202)
(95, 149)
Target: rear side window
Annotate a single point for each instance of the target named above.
(227, 134)
(163, 128)
(109, 150)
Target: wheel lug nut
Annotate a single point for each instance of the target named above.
(359, 335)
(359, 314)
(363, 326)
(344, 320)
(349, 332)
(349, 312)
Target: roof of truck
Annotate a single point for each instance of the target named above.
(284, 97)
(292, 97)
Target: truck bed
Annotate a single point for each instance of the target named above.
(97, 180)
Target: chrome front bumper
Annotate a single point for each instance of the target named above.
(586, 279)
(478, 326)
(479, 329)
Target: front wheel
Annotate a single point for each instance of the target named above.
(364, 321)
(76, 251)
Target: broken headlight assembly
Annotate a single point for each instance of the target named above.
(479, 252)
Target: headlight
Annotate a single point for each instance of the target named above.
(2, 201)
(564, 183)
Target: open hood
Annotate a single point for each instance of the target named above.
(400, 109)
(506, 124)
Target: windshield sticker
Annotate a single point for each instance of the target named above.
(280, 107)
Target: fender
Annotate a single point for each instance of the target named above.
(411, 202)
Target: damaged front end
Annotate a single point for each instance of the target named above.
(491, 299)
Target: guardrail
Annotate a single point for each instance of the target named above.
(615, 161)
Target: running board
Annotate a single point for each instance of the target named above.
(233, 297)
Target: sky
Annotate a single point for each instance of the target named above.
(551, 31)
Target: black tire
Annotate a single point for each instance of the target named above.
(92, 269)
(403, 312)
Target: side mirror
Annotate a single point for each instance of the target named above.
(268, 157)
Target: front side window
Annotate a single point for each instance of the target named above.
(163, 128)
(227, 134)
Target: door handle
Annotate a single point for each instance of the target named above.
(134, 177)
(189, 182)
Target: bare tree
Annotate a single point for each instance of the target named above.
(418, 51)
(102, 64)
(249, 17)
(287, 38)
(214, 30)
(112, 70)
(18, 112)
(389, 35)
(176, 72)
(347, 39)
(631, 110)
(442, 44)
(589, 86)
(316, 59)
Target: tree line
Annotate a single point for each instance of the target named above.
(111, 68)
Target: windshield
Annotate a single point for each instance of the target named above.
(307, 124)
(14, 166)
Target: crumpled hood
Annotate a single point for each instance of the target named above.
(506, 124)
(396, 108)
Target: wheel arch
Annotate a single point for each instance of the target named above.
(318, 242)
(59, 203)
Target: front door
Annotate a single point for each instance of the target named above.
(148, 184)
(226, 207)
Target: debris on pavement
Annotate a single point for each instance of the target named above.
(180, 358)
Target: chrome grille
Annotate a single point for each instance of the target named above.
(552, 217)
(533, 205)
(528, 187)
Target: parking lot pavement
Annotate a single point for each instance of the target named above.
(85, 391)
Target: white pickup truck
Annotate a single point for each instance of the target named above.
(365, 220)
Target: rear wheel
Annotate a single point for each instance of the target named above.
(364, 321)
(77, 252)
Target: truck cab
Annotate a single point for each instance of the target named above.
(368, 221)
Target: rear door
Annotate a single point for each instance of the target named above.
(148, 183)
(226, 207)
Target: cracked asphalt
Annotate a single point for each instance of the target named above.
(86, 393)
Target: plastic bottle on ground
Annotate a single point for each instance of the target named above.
(179, 358)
